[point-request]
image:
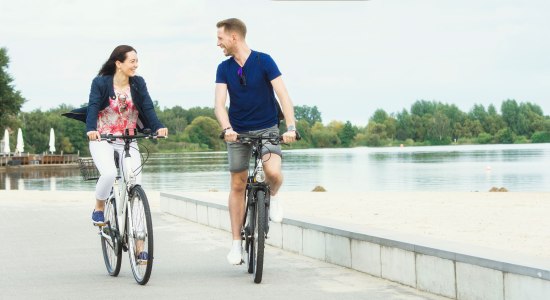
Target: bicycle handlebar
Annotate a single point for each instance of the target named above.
(112, 137)
(273, 137)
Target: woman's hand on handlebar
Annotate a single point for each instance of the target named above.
(162, 132)
(93, 136)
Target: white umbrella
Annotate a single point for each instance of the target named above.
(6, 142)
(20, 144)
(52, 141)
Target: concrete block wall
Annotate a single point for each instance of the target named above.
(432, 266)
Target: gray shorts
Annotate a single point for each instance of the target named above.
(239, 154)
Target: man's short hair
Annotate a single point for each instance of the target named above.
(233, 25)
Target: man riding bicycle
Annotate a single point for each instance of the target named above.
(251, 78)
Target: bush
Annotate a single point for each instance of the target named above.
(409, 142)
(521, 139)
(373, 140)
(505, 136)
(484, 138)
(541, 137)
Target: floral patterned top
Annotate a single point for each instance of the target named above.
(119, 115)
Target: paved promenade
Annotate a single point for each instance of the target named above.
(50, 251)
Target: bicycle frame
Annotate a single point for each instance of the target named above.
(253, 183)
(121, 192)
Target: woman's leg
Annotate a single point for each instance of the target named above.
(103, 156)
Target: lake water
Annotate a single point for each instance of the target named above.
(523, 167)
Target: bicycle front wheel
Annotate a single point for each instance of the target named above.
(259, 236)
(248, 230)
(140, 235)
(110, 239)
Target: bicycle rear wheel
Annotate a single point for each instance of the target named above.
(259, 236)
(140, 235)
(110, 239)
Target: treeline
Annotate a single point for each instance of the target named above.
(436, 123)
(196, 129)
(427, 123)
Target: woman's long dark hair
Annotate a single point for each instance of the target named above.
(119, 54)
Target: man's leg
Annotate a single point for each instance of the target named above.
(272, 169)
(274, 177)
(236, 215)
(236, 202)
(238, 156)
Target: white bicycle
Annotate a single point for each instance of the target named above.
(128, 225)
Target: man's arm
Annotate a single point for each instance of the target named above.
(221, 112)
(288, 108)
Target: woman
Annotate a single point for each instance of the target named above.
(118, 100)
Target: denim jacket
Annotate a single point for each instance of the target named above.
(100, 92)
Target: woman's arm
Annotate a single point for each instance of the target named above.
(94, 103)
(148, 109)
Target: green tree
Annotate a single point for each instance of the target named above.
(505, 136)
(478, 113)
(440, 129)
(347, 134)
(379, 116)
(404, 127)
(510, 112)
(307, 113)
(530, 119)
(423, 107)
(541, 137)
(304, 129)
(324, 137)
(175, 119)
(484, 138)
(10, 99)
(204, 131)
(494, 121)
(196, 112)
(377, 129)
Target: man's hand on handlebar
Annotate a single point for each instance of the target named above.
(230, 135)
(289, 137)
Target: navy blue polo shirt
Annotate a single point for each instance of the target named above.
(252, 105)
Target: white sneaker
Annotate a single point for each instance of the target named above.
(234, 256)
(275, 210)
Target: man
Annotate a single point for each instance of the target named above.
(250, 78)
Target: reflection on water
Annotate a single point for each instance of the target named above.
(39, 179)
(444, 168)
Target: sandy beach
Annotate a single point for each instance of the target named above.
(512, 222)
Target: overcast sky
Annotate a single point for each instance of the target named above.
(347, 57)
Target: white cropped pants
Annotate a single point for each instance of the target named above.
(103, 155)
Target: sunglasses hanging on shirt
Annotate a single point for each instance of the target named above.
(242, 77)
(122, 102)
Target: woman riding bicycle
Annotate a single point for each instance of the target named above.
(118, 100)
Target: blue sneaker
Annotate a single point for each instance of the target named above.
(143, 257)
(98, 218)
